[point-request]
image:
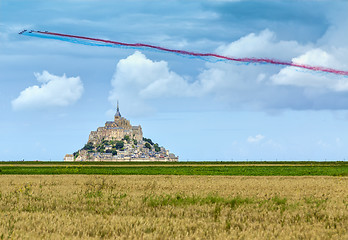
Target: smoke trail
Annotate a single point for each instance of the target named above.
(205, 56)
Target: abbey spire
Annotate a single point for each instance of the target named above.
(117, 114)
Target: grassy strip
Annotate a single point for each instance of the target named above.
(326, 163)
(185, 170)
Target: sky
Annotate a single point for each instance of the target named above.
(53, 93)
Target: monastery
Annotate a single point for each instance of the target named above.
(118, 140)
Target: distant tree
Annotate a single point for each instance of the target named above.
(157, 148)
(114, 152)
(127, 138)
(88, 146)
(108, 151)
(101, 148)
(76, 154)
(135, 142)
(148, 140)
(147, 145)
(119, 145)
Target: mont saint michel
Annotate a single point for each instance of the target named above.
(118, 140)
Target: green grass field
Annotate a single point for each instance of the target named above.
(180, 168)
(321, 163)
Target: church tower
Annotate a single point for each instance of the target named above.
(117, 114)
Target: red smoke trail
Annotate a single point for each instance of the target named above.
(246, 60)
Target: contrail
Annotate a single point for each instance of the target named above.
(108, 43)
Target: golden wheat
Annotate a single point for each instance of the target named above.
(173, 207)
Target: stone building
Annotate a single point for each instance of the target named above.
(116, 130)
(69, 157)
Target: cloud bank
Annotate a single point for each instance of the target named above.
(138, 79)
(262, 87)
(54, 91)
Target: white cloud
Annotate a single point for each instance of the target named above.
(309, 79)
(53, 91)
(270, 87)
(241, 85)
(139, 82)
(262, 45)
(255, 139)
(138, 79)
(331, 51)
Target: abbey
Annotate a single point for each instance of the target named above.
(116, 130)
(118, 140)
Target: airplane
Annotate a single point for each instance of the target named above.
(23, 31)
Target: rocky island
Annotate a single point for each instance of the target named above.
(118, 140)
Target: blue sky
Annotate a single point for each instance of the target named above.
(54, 93)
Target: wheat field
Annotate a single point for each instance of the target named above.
(173, 207)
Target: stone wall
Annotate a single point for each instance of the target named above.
(116, 131)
